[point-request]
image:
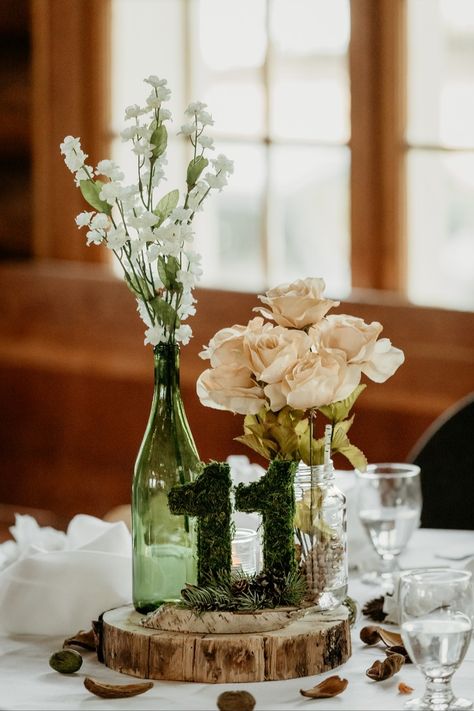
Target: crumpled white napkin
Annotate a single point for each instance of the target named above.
(55, 583)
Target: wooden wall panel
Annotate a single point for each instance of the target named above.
(76, 383)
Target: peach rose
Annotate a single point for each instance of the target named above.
(317, 379)
(272, 352)
(226, 346)
(230, 387)
(298, 304)
(358, 340)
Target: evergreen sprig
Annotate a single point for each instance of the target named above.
(245, 593)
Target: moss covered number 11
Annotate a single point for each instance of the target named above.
(209, 499)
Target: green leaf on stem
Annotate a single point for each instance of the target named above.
(90, 190)
(355, 456)
(166, 205)
(311, 453)
(167, 270)
(159, 139)
(195, 168)
(339, 410)
(164, 312)
(137, 285)
(262, 447)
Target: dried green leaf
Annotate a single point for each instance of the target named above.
(354, 455)
(339, 410)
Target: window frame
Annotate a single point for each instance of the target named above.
(69, 91)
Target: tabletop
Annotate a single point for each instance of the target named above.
(27, 681)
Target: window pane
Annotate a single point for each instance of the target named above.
(137, 53)
(309, 225)
(441, 72)
(228, 230)
(441, 229)
(309, 89)
(228, 48)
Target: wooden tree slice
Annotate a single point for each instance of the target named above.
(314, 643)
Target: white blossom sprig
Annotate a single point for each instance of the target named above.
(152, 236)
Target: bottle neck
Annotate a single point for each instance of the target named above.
(166, 358)
(166, 392)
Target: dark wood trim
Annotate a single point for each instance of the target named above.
(377, 65)
(70, 65)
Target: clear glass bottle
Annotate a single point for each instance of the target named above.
(163, 544)
(321, 534)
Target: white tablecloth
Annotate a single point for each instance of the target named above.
(27, 681)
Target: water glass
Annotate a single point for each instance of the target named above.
(389, 508)
(436, 608)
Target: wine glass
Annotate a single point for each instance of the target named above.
(389, 506)
(436, 607)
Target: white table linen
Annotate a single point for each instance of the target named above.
(54, 582)
(27, 682)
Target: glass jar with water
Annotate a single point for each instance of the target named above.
(321, 535)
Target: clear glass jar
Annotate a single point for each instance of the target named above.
(321, 535)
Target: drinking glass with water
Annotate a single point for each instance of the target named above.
(389, 506)
(436, 609)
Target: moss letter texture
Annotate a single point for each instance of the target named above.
(274, 497)
(208, 498)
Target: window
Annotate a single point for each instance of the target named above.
(276, 76)
(440, 152)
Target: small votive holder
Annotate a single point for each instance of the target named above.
(245, 551)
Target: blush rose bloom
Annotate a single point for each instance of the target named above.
(272, 352)
(226, 346)
(298, 304)
(378, 359)
(230, 387)
(317, 379)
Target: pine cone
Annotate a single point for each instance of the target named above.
(373, 609)
(270, 585)
(240, 586)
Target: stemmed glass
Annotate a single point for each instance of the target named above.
(436, 608)
(389, 506)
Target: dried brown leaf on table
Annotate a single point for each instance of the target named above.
(235, 701)
(115, 691)
(390, 638)
(370, 634)
(332, 686)
(82, 639)
(398, 649)
(404, 688)
(379, 671)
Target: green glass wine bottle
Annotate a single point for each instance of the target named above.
(164, 555)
